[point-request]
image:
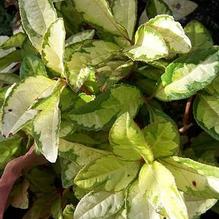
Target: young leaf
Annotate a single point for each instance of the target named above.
(189, 74)
(46, 126)
(81, 58)
(99, 205)
(199, 35)
(19, 100)
(125, 13)
(194, 178)
(98, 13)
(138, 206)
(99, 112)
(163, 139)
(32, 66)
(36, 17)
(128, 140)
(156, 7)
(149, 45)
(53, 47)
(109, 172)
(172, 32)
(206, 113)
(181, 8)
(161, 191)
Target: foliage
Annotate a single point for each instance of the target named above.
(90, 87)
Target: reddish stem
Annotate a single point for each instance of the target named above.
(13, 171)
(187, 115)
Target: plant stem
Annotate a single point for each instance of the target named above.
(13, 170)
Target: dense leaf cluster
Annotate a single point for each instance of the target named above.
(84, 83)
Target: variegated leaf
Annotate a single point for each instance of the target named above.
(206, 113)
(109, 172)
(172, 32)
(128, 140)
(46, 126)
(161, 191)
(125, 13)
(149, 45)
(189, 74)
(54, 46)
(138, 206)
(19, 100)
(98, 13)
(99, 205)
(199, 35)
(194, 178)
(36, 17)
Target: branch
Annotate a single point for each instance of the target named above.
(13, 170)
(187, 115)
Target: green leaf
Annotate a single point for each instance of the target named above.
(56, 208)
(181, 8)
(46, 126)
(138, 206)
(32, 66)
(69, 170)
(112, 72)
(7, 62)
(128, 140)
(80, 59)
(189, 74)
(9, 78)
(206, 113)
(99, 205)
(213, 88)
(194, 178)
(156, 7)
(8, 149)
(42, 180)
(79, 153)
(79, 37)
(19, 100)
(68, 211)
(149, 45)
(41, 207)
(163, 138)
(98, 13)
(109, 172)
(19, 195)
(161, 191)
(14, 41)
(203, 143)
(125, 13)
(5, 52)
(54, 46)
(36, 17)
(197, 206)
(101, 111)
(199, 35)
(172, 32)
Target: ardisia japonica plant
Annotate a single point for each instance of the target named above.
(99, 92)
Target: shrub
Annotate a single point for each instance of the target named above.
(100, 94)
